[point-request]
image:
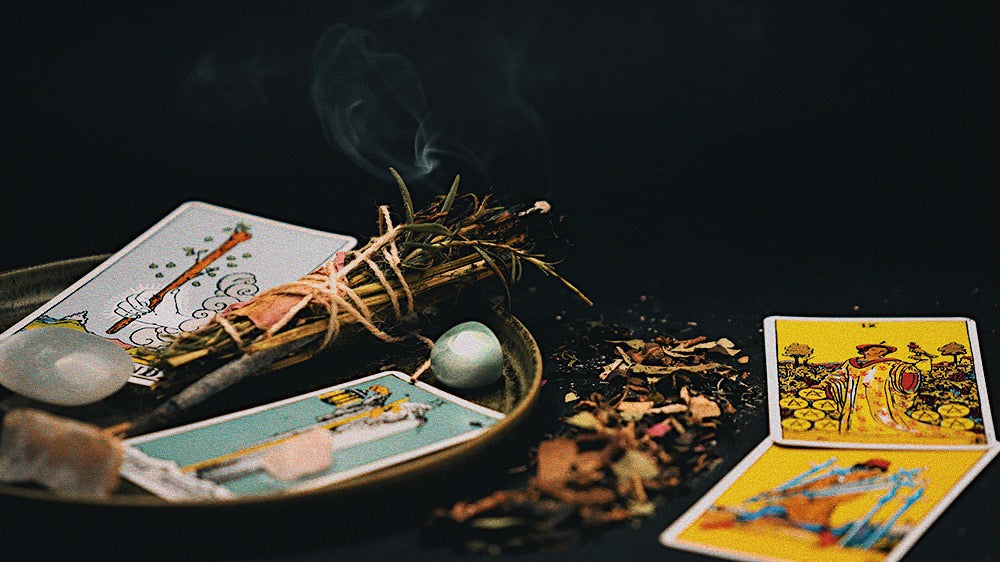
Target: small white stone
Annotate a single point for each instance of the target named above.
(468, 355)
(62, 366)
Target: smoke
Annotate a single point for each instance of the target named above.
(434, 104)
(372, 106)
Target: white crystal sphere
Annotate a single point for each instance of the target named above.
(467, 356)
(62, 366)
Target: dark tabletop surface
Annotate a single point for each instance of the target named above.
(708, 162)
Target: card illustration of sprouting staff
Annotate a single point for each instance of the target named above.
(195, 262)
(355, 428)
(792, 503)
(876, 383)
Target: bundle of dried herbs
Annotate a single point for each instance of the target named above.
(433, 253)
(616, 452)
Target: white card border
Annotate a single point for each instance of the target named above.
(669, 535)
(332, 478)
(774, 410)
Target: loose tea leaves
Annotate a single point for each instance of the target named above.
(648, 426)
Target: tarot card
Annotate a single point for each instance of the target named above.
(374, 422)
(173, 278)
(876, 383)
(788, 503)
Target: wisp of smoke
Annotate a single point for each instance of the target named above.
(373, 108)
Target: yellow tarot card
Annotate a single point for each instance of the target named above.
(790, 503)
(876, 383)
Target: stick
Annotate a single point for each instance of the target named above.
(205, 387)
(235, 238)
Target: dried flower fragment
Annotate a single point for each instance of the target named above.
(700, 407)
(620, 450)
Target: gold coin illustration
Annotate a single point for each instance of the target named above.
(958, 423)
(796, 424)
(825, 404)
(792, 403)
(826, 425)
(810, 414)
(812, 393)
(926, 416)
(953, 411)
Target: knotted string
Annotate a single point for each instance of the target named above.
(327, 286)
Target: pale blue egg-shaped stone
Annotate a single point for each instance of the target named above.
(62, 366)
(467, 356)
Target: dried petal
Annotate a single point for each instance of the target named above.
(462, 511)
(659, 429)
(690, 343)
(669, 409)
(266, 310)
(592, 516)
(588, 496)
(722, 345)
(494, 523)
(555, 461)
(638, 407)
(585, 420)
(701, 407)
(587, 467)
(633, 343)
(671, 369)
(635, 463)
(641, 509)
(610, 368)
(625, 356)
(634, 410)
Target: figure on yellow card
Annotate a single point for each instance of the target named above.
(806, 505)
(873, 393)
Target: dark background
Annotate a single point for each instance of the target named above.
(731, 159)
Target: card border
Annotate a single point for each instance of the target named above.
(339, 476)
(668, 537)
(773, 395)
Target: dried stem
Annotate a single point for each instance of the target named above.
(457, 241)
(229, 374)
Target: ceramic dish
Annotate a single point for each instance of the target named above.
(23, 290)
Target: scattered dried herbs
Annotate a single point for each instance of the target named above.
(641, 420)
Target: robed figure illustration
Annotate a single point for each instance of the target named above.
(873, 392)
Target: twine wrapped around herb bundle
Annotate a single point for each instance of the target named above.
(457, 241)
